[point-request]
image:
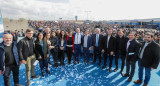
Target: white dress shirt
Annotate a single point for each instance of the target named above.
(145, 45)
(128, 43)
(77, 38)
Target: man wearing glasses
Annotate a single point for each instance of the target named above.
(26, 47)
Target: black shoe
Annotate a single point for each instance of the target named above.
(55, 65)
(78, 62)
(122, 73)
(63, 64)
(110, 69)
(43, 74)
(18, 85)
(69, 63)
(115, 69)
(35, 76)
(48, 71)
(129, 79)
(104, 67)
(49, 63)
(126, 75)
(74, 62)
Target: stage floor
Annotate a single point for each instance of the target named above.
(83, 75)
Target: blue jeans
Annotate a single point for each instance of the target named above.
(86, 53)
(147, 72)
(132, 65)
(43, 63)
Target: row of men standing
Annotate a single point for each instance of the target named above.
(128, 49)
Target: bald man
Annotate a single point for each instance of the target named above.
(47, 31)
(9, 60)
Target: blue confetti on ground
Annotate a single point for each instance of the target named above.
(83, 75)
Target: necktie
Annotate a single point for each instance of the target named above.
(97, 39)
(77, 38)
(107, 41)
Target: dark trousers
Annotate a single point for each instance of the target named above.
(147, 72)
(122, 58)
(97, 52)
(128, 65)
(55, 56)
(49, 58)
(61, 56)
(69, 54)
(77, 51)
(43, 63)
(6, 75)
(86, 53)
(110, 59)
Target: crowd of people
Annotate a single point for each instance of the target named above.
(130, 45)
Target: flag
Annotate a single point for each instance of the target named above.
(1, 26)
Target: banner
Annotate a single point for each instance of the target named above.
(1, 25)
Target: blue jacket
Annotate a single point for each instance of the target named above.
(89, 41)
(2, 55)
(64, 44)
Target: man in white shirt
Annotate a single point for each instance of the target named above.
(77, 45)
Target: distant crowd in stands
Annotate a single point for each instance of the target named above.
(39, 26)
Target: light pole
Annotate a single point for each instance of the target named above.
(87, 13)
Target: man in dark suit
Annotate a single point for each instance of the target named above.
(108, 47)
(120, 50)
(149, 57)
(87, 44)
(96, 43)
(132, 55)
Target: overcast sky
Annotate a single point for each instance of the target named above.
(68, 9)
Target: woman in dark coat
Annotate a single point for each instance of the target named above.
(42, 53)
(54, 48)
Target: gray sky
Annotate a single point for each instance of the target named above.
(68, 9)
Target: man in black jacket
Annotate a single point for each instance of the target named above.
(149, 57)
(132, 55)
(26, 47)
(96, 43)
(120, 50)
(108, 47)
